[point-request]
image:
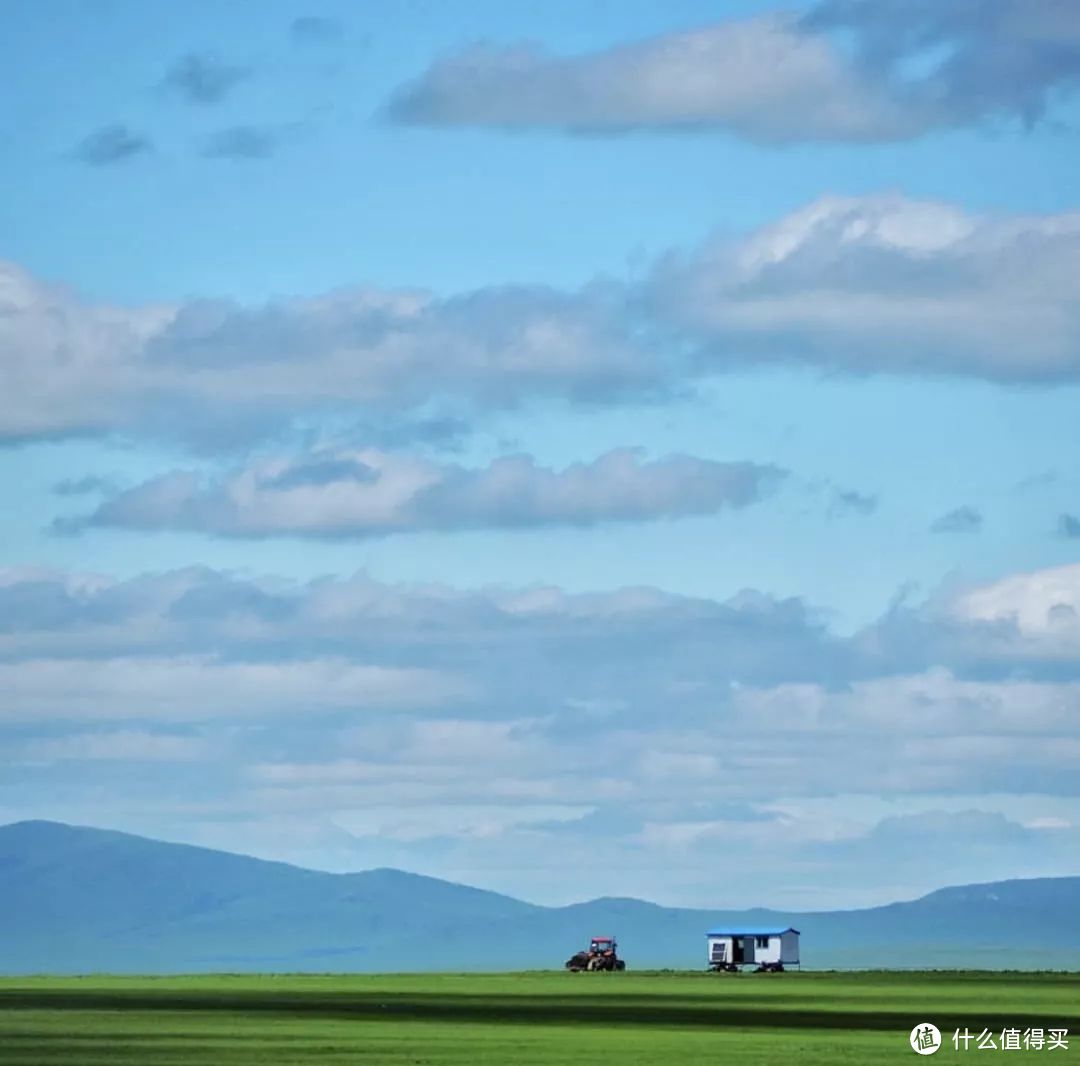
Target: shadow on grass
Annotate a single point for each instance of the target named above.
(685, 1012)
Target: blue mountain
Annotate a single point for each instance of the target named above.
(75, 900)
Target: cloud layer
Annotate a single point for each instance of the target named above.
(851, 70)
(859, 285)
(215, 369)
(370, 493)
(503, 730)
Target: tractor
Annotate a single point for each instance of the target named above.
(602, 954)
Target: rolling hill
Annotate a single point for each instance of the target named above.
(76, 900)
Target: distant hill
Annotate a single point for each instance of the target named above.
(77, 900)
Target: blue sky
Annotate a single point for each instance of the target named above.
(712, 368)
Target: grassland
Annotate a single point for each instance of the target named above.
(532, 1018)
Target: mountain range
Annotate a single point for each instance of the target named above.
(76, 900)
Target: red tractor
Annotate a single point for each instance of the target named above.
(602, 954)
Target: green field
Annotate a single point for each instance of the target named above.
(631, 1018)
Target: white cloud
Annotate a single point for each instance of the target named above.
(373, 493)
(1042, 604)
(198, 688)
(217, 372)
(885, 285)
(66, 366)
(530, 727)
(877, 284)
(847, 71)
(763, 78)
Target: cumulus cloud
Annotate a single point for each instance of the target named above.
(66, 366)
(850, 70)
(964, 519)
(1026, 624)
(112, 144)
(666, 642)
(372, 493)
(878, 284)
(763, 78)
(213, 369)
(529, 632)
(884, 283)
(204, 78)
(1039, 603)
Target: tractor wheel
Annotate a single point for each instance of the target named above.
(620, 965)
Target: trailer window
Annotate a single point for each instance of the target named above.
(762, 941)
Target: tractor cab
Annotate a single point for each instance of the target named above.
(602, 945)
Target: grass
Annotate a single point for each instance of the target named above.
(627, 1019)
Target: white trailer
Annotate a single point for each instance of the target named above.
(767, 947)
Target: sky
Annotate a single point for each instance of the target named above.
(631, 439)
